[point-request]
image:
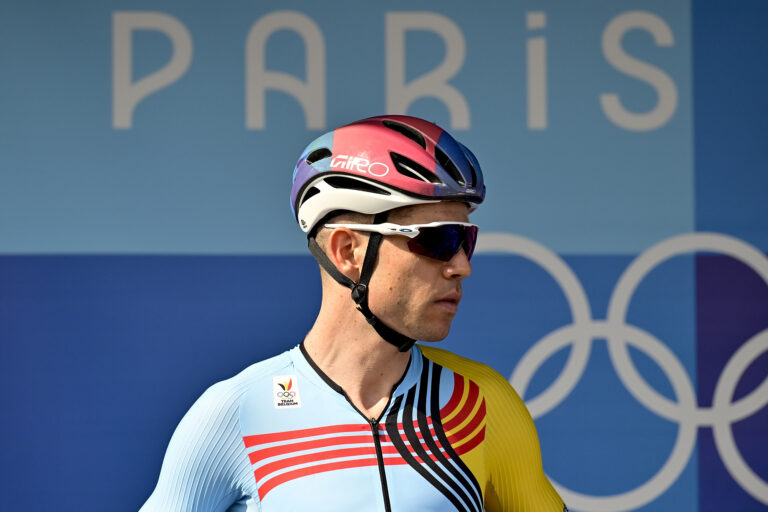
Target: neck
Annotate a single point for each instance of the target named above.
(354, 356)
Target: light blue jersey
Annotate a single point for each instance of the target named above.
(281, 436)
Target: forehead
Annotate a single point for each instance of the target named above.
(432, 212)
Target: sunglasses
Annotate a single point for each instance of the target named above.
(437, 240)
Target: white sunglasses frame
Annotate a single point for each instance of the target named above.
(389, 228)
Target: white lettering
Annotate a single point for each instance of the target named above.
(382, 172)
(359, 164)
(310, 94)
(338, 161)
(434, 83)
(615, 55)
(125, 93)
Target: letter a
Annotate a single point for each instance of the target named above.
(310, 94)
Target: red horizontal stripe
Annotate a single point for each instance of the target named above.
(386, 439)
(266, 469)
(291, 435)
(308, 445)
(258, 455)
(273, 451)
(263, 471)
(307, 432)
(474, 392)
(251, 442)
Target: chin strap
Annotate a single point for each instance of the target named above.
(360, 289)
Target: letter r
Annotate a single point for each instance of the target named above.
(433, 84)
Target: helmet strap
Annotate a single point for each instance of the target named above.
(360, 289)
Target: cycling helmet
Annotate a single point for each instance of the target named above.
(381, 163)
(373, 166)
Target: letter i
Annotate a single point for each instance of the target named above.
(536, 54)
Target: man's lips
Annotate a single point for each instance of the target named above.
(450, 301)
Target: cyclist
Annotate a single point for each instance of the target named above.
(358, 417)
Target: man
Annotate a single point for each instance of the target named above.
(357, 417)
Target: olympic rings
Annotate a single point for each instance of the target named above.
(285, 394)
(618, 335)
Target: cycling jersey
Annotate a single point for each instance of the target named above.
(281, 436)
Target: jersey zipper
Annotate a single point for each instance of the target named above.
(373, 422)
(380, 458)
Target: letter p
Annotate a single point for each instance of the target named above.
(126, 94)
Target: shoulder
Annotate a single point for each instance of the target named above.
(205, 466)
(227, 394)
(489, 380)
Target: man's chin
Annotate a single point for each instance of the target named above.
(433, 336)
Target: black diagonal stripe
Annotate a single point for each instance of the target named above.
(405, 453)
(461, 482)
(437, 423)
(421, 451)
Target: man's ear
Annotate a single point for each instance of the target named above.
(346, 250)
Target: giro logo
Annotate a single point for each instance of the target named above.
(359, 164)
(285, 392)
(619, 335)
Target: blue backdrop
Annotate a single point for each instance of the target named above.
(147, 249)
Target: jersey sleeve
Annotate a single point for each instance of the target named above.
(516, 477)
(205, 460)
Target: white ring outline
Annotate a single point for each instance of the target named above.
(720, 416)
(627, 285)
(726, 385)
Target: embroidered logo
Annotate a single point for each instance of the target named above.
(285, 391)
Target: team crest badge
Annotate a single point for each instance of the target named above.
(285, 392)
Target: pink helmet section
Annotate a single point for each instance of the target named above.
(364, 149)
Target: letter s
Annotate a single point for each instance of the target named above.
(615, 55)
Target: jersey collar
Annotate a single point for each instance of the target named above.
(304, 363)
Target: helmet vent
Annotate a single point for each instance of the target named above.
(449, 166)
(311, 192)
(354, 184)
(408, 167)
(318, 154)
(472, 170)
(407, 131)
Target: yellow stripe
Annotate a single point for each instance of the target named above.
(470, 436)
(469, 417)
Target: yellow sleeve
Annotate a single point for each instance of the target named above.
(514, 476)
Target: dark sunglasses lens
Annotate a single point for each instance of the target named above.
(442, 242)
(470, 240)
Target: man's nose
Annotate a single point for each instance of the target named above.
(458, 266)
